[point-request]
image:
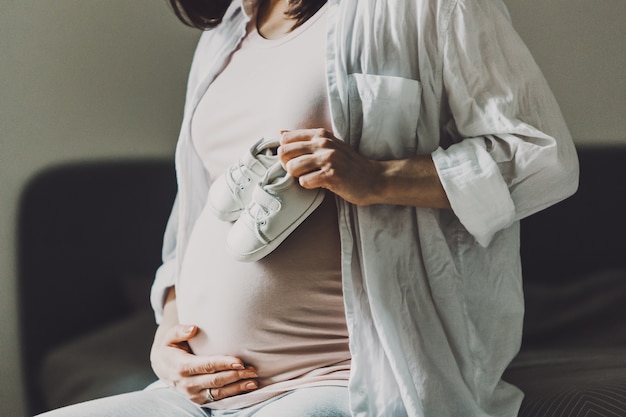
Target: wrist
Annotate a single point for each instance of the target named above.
(376, 188)
(381, 182)
(408, 182)
(386, 185)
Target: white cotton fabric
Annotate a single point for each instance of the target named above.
(434, 300)
(267, 86)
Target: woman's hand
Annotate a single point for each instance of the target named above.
(192, 375)
(319, 160)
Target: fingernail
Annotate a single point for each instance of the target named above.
(188, 329)
(251, 385)
(236, 366)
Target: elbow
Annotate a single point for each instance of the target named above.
(568, 173)
(555, 179)
(560, 177)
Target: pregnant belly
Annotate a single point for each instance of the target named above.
(283, 315)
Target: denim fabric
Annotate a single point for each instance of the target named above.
(327, 401)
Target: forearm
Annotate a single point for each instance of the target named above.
(408, 182)
(318, 159)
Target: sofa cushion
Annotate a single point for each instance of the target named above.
(571, 382)
(586, 311)
(109, 361)
(89, 241)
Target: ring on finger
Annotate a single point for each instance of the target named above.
(209, 396)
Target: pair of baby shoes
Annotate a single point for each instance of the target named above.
(266, 203)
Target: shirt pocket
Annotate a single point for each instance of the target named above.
(384, 112)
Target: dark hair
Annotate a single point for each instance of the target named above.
(206, 14)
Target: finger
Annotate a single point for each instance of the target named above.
(300, 135)
(222, 385)
(301, 165)
(291, 151)
(180, 333)
(233, 389)
(241, 387)
(223, 379)
(308, 155)
(200, 365)
(315, 179)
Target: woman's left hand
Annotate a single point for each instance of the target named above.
(319, 160)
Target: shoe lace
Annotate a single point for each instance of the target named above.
(238, 173)
(259, 213)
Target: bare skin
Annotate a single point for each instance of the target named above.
(190, 374)
(272, 23)
(318, 159)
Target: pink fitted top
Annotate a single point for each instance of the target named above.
(284, 314)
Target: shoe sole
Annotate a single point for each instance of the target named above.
(269, 248)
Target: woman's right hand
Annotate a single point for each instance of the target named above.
(192, 375)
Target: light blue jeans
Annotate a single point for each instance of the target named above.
(164, 402)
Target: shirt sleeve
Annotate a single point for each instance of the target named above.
(166, 274)
(507, 152)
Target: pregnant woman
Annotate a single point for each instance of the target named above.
(426, 132)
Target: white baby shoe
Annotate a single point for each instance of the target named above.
(278, 206)
(230, 192)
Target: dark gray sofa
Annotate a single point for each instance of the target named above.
(89, 242)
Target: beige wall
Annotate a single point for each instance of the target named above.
(105, 79)
(580, 46)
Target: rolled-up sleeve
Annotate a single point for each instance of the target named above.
(507, 152)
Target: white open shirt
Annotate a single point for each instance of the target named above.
(433, 298)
